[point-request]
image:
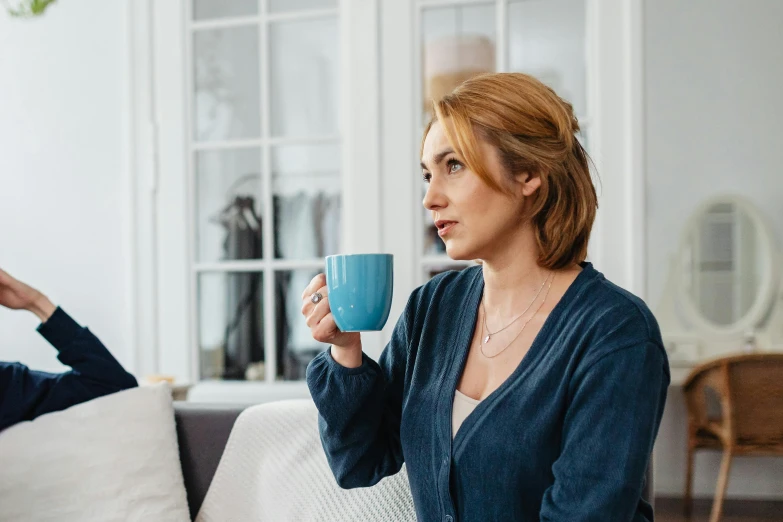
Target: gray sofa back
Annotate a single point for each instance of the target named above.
(202, 432)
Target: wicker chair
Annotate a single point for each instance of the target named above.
(747, 417)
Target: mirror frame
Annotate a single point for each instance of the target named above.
(768, 286)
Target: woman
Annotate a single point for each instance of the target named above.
(527, 388)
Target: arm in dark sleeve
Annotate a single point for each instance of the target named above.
(95, 372)
(360, 411)
(608, 434)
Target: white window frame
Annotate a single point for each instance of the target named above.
(380, 187)
(164, 311)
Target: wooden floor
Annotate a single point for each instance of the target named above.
(671, 510)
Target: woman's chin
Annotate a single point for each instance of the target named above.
(457, 252)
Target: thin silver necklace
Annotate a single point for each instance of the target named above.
(484, 310)
(481, 347)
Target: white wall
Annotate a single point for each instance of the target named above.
(713, 111)
(64, 149)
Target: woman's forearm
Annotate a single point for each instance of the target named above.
(348, 356)
(42, 307)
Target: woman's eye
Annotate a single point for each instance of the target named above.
(454, 166)
(427, 177)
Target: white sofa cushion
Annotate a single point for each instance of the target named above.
(274, 469)
(115, 458)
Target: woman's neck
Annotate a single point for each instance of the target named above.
(512, 275)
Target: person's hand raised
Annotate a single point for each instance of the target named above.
(346, 346)
(17, 295)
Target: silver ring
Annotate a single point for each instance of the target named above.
(316, 298)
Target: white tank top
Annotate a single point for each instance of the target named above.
(461, 408)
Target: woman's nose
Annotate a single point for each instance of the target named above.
(434, 198)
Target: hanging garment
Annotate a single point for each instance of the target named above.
(297, 239)
(329, 224)
(244, 334)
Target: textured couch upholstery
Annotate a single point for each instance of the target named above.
(203, 430)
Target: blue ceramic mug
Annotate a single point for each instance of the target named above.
(360, 290)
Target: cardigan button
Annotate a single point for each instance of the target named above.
(448, 518)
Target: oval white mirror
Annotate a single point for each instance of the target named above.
(727, 274)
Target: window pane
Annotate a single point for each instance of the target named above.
(304, 77)
(547, 40)
(229, 206)
(277, 6)
(457, 43)
(210, 9)
(231, 325)
(295, 346)
(227, 97)
(306, 185)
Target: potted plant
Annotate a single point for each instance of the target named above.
(26, 8)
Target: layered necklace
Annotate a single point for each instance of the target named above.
(485, 339)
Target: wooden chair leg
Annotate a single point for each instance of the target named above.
(688, 496)
(720, 489)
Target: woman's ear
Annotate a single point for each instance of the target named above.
(530, 181)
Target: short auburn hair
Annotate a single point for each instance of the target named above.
(534, 131)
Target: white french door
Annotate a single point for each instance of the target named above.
(259, 162)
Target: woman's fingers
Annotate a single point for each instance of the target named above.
(320, 319)
(318, 315)
(312, 298)
(319, 281)
(317, 310)
(325, 330)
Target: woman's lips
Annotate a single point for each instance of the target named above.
(444, 227)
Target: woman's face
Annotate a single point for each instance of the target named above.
(473, 220)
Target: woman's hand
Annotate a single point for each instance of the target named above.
(16, 295)
(346, 346)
